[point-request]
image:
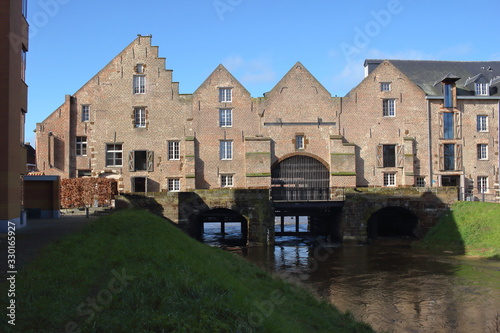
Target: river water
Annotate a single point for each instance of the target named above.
(394, 288)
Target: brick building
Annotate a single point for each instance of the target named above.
(13, 103)
(129, 122)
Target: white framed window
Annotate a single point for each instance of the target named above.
(226, 150)
(420, 182)
(114, 155)
(482, 184)
(139, 84)
(226, 180)
(482, 89)
(139, 68)
(299, 142)
(482, 123)
(81, 146)
(225, 95)
(225, 118)
(389, 107)
(389, 179)
(139, 117)
(482, 151)
(385, 86)
(174, 185)
(85, 112)
(173, 150)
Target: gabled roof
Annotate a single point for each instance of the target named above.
(297, 69)
(426, 73)
(221, 70)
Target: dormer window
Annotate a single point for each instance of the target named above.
(482, 89)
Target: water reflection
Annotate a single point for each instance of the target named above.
(394, 289)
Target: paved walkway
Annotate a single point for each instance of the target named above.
(31, 239)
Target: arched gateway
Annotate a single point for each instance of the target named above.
(300, 178)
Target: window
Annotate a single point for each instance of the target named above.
(173, 150)
(299, 142)
(420, 182)
(174, 185)
(482, 123)
(389, 153)
(449, 157)
(225, 118)
(448, 125)
(25, 9)
(84, 173)
(482, 152)
(23, 63)
(389, 107)
(390, 156)
(139, 68)
(225, 95)
(482, 89)
(140, 117)
(85, 112)
(81, 146)
(226, 150)
(140, 160)
(385, 86)
(389, 179)
(448, 95)
(482, 184)
(139, 84)
(226, 180)
(114, 155)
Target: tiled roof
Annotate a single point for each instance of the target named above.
(425, 73)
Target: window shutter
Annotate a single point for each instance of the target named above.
(131, 162)
(458, 162)
(150, 161)
(400, 156)
(380, 154)
(441, 126)
(458, 125)
(441, 157)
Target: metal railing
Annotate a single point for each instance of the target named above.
(280, 193)
(490, 194)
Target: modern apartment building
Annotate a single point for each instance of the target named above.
(13, 103)
(408, 123)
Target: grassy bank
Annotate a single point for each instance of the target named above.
(471, 228)
(134, 272)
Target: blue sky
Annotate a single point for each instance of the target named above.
(257, 40)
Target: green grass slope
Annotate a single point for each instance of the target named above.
(471, 228)
(135, 272)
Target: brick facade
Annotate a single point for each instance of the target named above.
(384, 132)
(13, 103)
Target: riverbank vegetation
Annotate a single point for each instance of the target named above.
(133, 271)
(470, 228)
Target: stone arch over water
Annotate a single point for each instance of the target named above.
(392, 221)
